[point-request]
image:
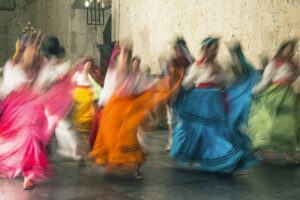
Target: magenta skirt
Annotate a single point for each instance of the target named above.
(23, 129)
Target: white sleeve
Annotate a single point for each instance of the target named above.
(190, 78)
(113, 79)
(63, 69)
(105, 96)
(266, 79)
(75, 77)
(51, 73)
(45, 75)
(101, 100)
(13, 77)
(107, 87)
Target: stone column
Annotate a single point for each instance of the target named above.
(115, 10)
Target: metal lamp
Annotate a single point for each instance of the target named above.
(94, 12)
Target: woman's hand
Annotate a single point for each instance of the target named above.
(31, 53)
(87, 67)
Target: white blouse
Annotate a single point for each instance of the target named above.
(202, 74)
(275, 74)
(51, 72)
(13, 78)
(135, 84)
(113, 79)
(80, 79)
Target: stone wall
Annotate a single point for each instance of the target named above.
(153, 24)
(5, 17)
(57, 18)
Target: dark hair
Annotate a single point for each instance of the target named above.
(208, 42)
(135, 58)
(88, 59)
(128, 54)
(51, 47)
(180, 42)
(284, 45)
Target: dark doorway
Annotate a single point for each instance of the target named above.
(107, 46)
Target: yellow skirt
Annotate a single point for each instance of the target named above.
(117, 145)
(84, 109)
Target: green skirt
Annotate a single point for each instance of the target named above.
(274, 119)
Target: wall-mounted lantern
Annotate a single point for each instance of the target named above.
(94, 12)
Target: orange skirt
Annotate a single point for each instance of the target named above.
(117, 145)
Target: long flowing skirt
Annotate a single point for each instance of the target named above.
(58, 101)
(239, 95)
(68, 140)
(117, 144)
(27, 123)
(204, 139)
(23, 140)
(273, 119)
(210, 133)
(84, 109)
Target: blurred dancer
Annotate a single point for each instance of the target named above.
(110, 83)
(55, 68)
(84, 96)
(23, 123)
(207, 136)
(135, 69)
(112, 78)
(273, 121)
(84, 110)
(117, 147)
(181, 61)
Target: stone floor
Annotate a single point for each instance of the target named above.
(162, 181)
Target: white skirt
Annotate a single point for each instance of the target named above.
(68, 140)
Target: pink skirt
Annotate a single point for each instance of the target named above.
(23, 141)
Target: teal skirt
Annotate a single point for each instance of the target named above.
(274, 120)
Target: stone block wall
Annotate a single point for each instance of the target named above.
(261, 25)
(58, 18)
(5, 17)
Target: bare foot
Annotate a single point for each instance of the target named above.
(28, 185)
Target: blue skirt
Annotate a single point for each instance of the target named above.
(204, 138)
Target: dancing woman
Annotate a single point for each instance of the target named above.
(109, 82)
(28, 100)
(84, 95)
(117, 147)
(55, 79)
(23, 124)
(273, 118)
(207, 136)
(181, 61)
